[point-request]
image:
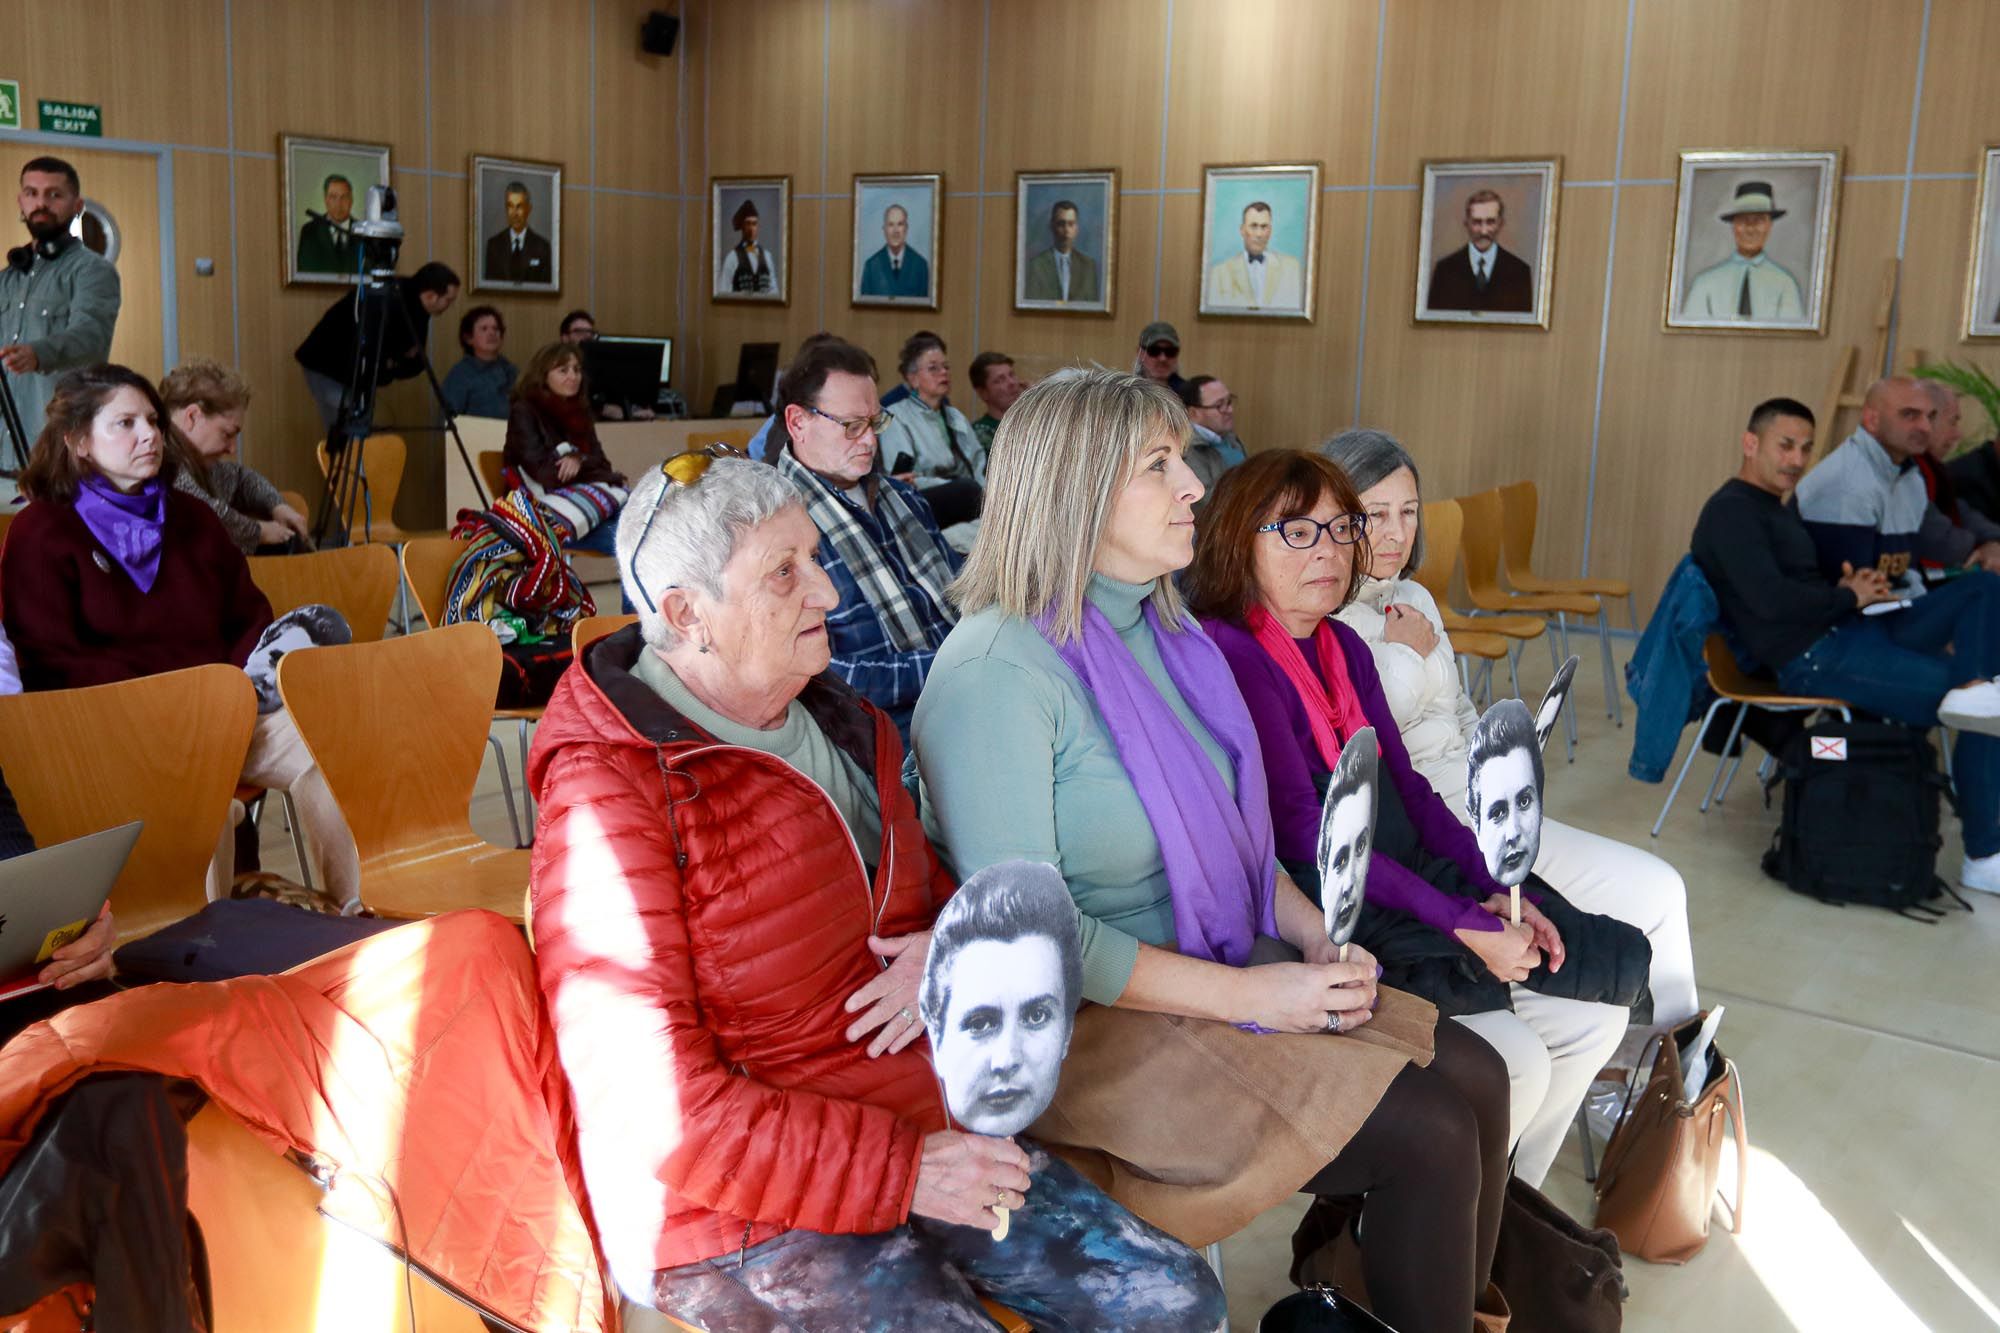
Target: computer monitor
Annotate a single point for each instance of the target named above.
(628, 369)
(757, 373)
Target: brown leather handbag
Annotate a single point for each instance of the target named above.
(1657, 1182)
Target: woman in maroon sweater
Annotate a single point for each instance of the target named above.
(111, 574)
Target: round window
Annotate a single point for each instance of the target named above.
(97, 229)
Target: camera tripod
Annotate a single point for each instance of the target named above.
(378, 309)
(10, 421)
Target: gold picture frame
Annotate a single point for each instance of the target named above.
(1092, 195)
(728, 198)
(1787, 281)
(1497, 199)
(534, 267)
(1982, 269)
(1230, 285)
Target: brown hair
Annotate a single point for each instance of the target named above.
(209, 385)
(1274, 484)
(547, 357)
(55, 470)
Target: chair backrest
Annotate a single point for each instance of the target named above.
(179, 740)
(1479, 539)
(1518, 507)
(490, 465)
(736, 437)
(6, 522)
(297, 501)
(383, 457)
(398, 729)
(1443, 520)
(592, 628)
(427, 563)
(357, 581)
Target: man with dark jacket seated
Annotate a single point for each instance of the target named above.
(1766, 561)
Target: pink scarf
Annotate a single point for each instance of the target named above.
(1333, 708)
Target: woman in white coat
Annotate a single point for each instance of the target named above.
(1400, 622)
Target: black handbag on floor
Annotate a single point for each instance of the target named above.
(1319, 1310)
(1861, 817)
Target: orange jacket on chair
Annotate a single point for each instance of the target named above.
(415, 1066)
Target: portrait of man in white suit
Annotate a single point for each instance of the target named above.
(1258, 229)
(1257, 277)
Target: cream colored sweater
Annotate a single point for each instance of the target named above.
(1431, 709)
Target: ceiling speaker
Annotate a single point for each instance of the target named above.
(657, 33)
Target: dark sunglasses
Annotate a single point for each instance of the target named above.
(1163, 349)
(680, 470)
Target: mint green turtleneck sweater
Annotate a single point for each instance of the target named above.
(1016, 763)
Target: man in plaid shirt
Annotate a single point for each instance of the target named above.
(878, 541)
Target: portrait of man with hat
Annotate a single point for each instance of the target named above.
(750, 219)
(1749, 284)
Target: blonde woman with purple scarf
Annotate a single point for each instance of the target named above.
(1078, 716)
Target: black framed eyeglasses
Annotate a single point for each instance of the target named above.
(1302, 534)
(680, 470)
(856, 427)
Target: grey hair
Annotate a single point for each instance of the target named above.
(1370, 456)
(695, 535)
(1943, 396)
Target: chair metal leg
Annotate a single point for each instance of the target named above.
(527, 795)
(1614, 701)
(1632, 610)
(1764, 769)
(1729, 777)
(298, 840)
(506, 786)
(1743, 711)
(1514, 668)
(1464, 676)
(1583, 1141)
(1687, 763)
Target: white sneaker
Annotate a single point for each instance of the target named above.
(1981, 873)
(1972, 708)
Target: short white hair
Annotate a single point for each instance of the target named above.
(695, 534)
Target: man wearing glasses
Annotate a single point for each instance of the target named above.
(1160, 355)
(879, 542)
(1213, 449)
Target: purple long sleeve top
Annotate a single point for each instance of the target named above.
(1291, 757)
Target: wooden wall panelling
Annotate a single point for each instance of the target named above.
(1294, 382)
(766, 111)
(1075, 86)
(1784, 74)
(128, 185)
(345, 71)
(931, 120)
(1481, 407)
(155, 69)
(1445, 92)
(1959, 113)
(201, 230)
(727, 325)
(638, 102)
(1674, 405)
(511, 78)
(1929, 305)
(1271, 81)
(638, 241)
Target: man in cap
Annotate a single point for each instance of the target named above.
(747, 266)
(1160, 354)
(1749, 284)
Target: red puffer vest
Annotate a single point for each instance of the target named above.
(701, 915)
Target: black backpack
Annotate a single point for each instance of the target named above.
(1861, 817)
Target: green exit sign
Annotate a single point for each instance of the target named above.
(80, 118)
(10, 104)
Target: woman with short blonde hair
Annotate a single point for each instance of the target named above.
(1077, 716)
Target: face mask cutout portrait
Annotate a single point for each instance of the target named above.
(1347, 835)
(1001, 985)
(1504, 791)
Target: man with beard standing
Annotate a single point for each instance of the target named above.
(58, 299)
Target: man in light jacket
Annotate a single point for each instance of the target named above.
(58, 299)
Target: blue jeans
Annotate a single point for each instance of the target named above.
(1895, 666)
(1073, 1262)
(603, 540)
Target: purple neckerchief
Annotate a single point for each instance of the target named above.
(129, 526)
(1219, 852)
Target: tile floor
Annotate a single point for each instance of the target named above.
(1870, 1051)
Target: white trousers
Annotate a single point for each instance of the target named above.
(1553, 1047)
(278, 760)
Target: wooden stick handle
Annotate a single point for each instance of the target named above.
(1000, 1231)
(1515, 894)
(1343, 953)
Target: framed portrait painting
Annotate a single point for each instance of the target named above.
(750, 226)
(1065, 241)
(1259, 240)
(897, 225)
(1982, 279)
(515, 209)
(1753, 241)
(329, 178)
(1486, 242)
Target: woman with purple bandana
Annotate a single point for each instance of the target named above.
(1078, 716)
(111, 574)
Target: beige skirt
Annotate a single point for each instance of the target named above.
(1199, 1126)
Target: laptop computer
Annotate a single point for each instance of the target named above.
(51, 896)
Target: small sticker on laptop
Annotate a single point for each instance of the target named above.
(60, 936)
(1830, 747)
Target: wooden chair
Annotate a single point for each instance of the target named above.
(297, 501)
(1480, 541)
(360, 582)
(1443, 522)
(6, 522)
(1519, 504)
(383, 458)
(427, 566)
(180, 738)
(396, 728)
(490, 464)
(592, 628)
(1733, 685)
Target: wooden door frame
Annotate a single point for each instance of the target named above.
(163, 165)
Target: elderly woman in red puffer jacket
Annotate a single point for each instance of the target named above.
(732, 895)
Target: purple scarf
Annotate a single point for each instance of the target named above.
(1219, 853)
(130, 526)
